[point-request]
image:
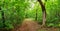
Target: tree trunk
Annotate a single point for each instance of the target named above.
(3, 19)
(43, 12)
(36, 16)
(2, 13)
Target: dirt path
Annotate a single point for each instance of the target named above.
(31, 25)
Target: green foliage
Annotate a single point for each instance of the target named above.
(14, 12)
(17, 10)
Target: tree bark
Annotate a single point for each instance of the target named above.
(43, 12)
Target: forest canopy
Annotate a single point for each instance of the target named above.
(12, 12)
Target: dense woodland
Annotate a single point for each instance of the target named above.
(44, 12)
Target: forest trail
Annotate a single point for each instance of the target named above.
(31, 25)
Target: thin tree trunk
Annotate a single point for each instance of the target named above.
(3, 19)
(43, 12)
(2, 13)
(36, 16)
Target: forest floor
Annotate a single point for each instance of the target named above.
(49, 29)
(30, 25)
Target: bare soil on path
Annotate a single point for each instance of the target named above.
(31, 25)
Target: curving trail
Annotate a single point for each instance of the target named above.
(31, 25)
